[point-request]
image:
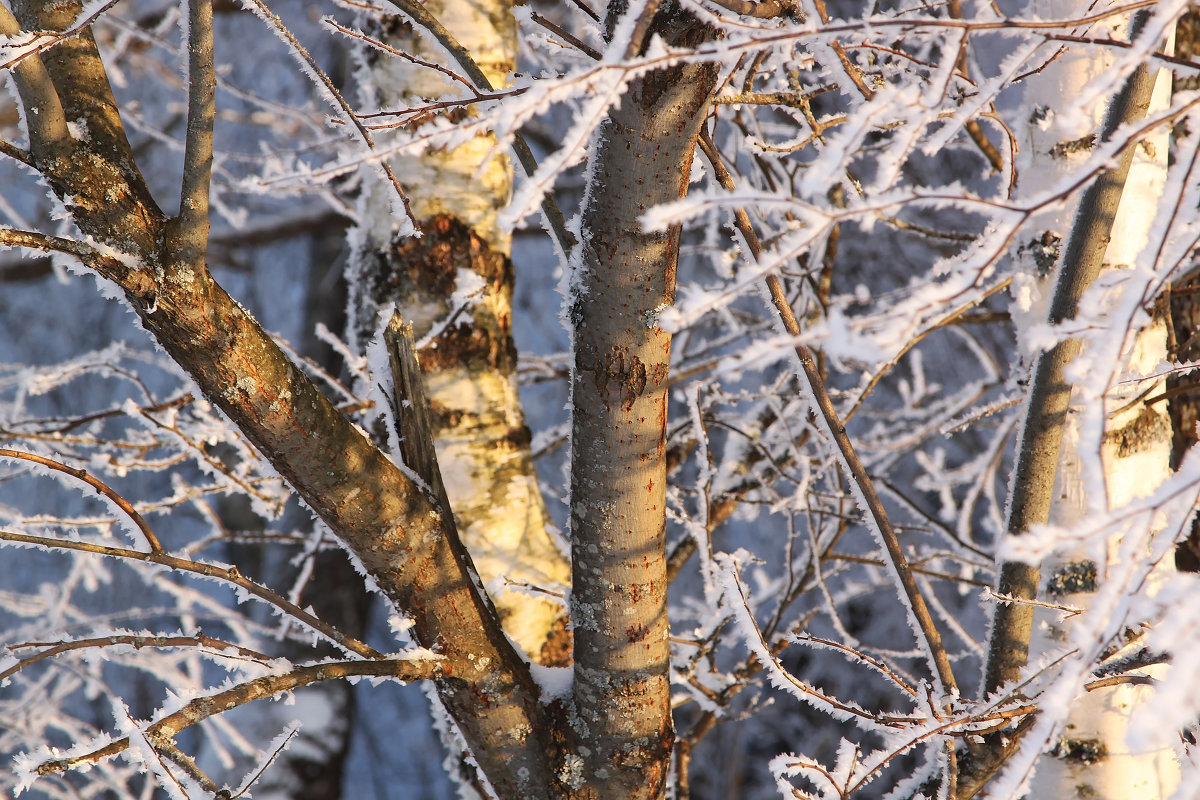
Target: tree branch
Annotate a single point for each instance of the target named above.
(1050, 392)
(221, 572)
(413, 552)
(134, 640)
(49, 126)
(107, 266)
(202, 708)
(836, 430)
(193, 224)
(100, 486)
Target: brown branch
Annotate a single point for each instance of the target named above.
(32, 240)
(837, 432)
(1050, 391)
(100, 486)
(134, 640)
(566, 36)
(202, 708)
(17, 153)
(191, 227)
(974, 129)
(763, 9)
(221, 572)
(49, 125)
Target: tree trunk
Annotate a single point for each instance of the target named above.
(621, 693)
(1090, 755)
(411, 551)
(470, 363)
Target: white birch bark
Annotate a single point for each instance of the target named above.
(1091, 756)
(470, 370)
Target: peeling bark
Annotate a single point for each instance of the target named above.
(470, 364)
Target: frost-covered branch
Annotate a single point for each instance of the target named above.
(207, 644)
(201, 708)
(220, 572)
(836, 430)
(192, 226)
(1050, 390)
(100, 486)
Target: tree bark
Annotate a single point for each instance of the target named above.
(1109, 227)
(621, 712)
(411, 551)
(470, 364)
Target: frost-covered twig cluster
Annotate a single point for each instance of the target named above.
(872, 230)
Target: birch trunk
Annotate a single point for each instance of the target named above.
(1090, 757)
(456, 281)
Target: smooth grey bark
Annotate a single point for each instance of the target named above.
(621, 696)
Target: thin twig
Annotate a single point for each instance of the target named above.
(202, 708)
(100, 486)
(566, 36)
(134, 640)
(221, 572)
(913, 342)
(837, 432)
(974, 129)
(198, 142)
(338, 100)
(393, 51)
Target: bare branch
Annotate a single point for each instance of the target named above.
(202, 708)
(107, 266)
(836, 430)
(100, 486)
(193, 224)
(566, 36)
(199, 640)
(16, 153)
(47, 128)
(762, 9)
(1050, 391)
(221, 572)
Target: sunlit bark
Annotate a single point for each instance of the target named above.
(1111, 226)
(410, 549)
(621, 712)
(470, 364)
